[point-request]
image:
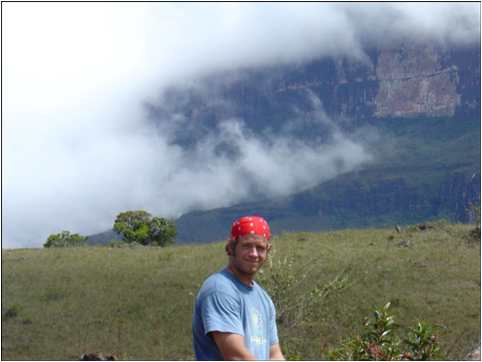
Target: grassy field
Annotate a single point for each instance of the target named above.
(137, 303)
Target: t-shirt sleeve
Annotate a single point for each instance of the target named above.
(273, 330)
(222, 313)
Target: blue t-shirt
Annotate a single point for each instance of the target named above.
(225, 304)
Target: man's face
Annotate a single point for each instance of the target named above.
(250, 254)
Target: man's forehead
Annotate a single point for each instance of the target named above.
(252, 238)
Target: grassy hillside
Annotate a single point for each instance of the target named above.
(137, 302)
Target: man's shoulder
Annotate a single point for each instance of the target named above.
(218, 282)
(263, 293)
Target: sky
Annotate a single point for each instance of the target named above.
(77, 148)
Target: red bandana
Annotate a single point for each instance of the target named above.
(250, 225)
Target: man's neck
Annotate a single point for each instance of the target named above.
(246, 279)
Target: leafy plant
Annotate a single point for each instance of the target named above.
(422, 343)
(380, 342)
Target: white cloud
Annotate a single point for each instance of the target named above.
(76, 148)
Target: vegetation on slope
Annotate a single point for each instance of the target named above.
(137, 302)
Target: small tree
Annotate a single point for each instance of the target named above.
(133, 226)
(140, 227)
(65, 239)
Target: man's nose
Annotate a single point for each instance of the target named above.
(253, 252)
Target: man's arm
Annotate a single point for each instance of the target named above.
(275, 353)
(232, 346)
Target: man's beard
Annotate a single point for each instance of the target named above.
(247, 271)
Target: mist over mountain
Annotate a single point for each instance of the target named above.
(413, 110)
(174, 108)
(332, 143)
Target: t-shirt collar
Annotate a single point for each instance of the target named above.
(234, 278)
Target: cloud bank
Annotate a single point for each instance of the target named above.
(77, 148)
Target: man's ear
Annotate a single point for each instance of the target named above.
(229, 248)
(269, 247)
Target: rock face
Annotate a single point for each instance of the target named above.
(413, 83)
(406, 80)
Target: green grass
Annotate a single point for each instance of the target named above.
(137, 302)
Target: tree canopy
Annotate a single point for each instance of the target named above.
(141, 227)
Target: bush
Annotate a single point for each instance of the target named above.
(65, 239)
(380, 342)
(421, 344)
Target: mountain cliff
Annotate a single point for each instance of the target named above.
(405, 81)
(421, 100)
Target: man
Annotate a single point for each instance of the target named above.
(234, 318)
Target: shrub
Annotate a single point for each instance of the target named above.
(65, 239)
(422, 343)
(380, 342)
